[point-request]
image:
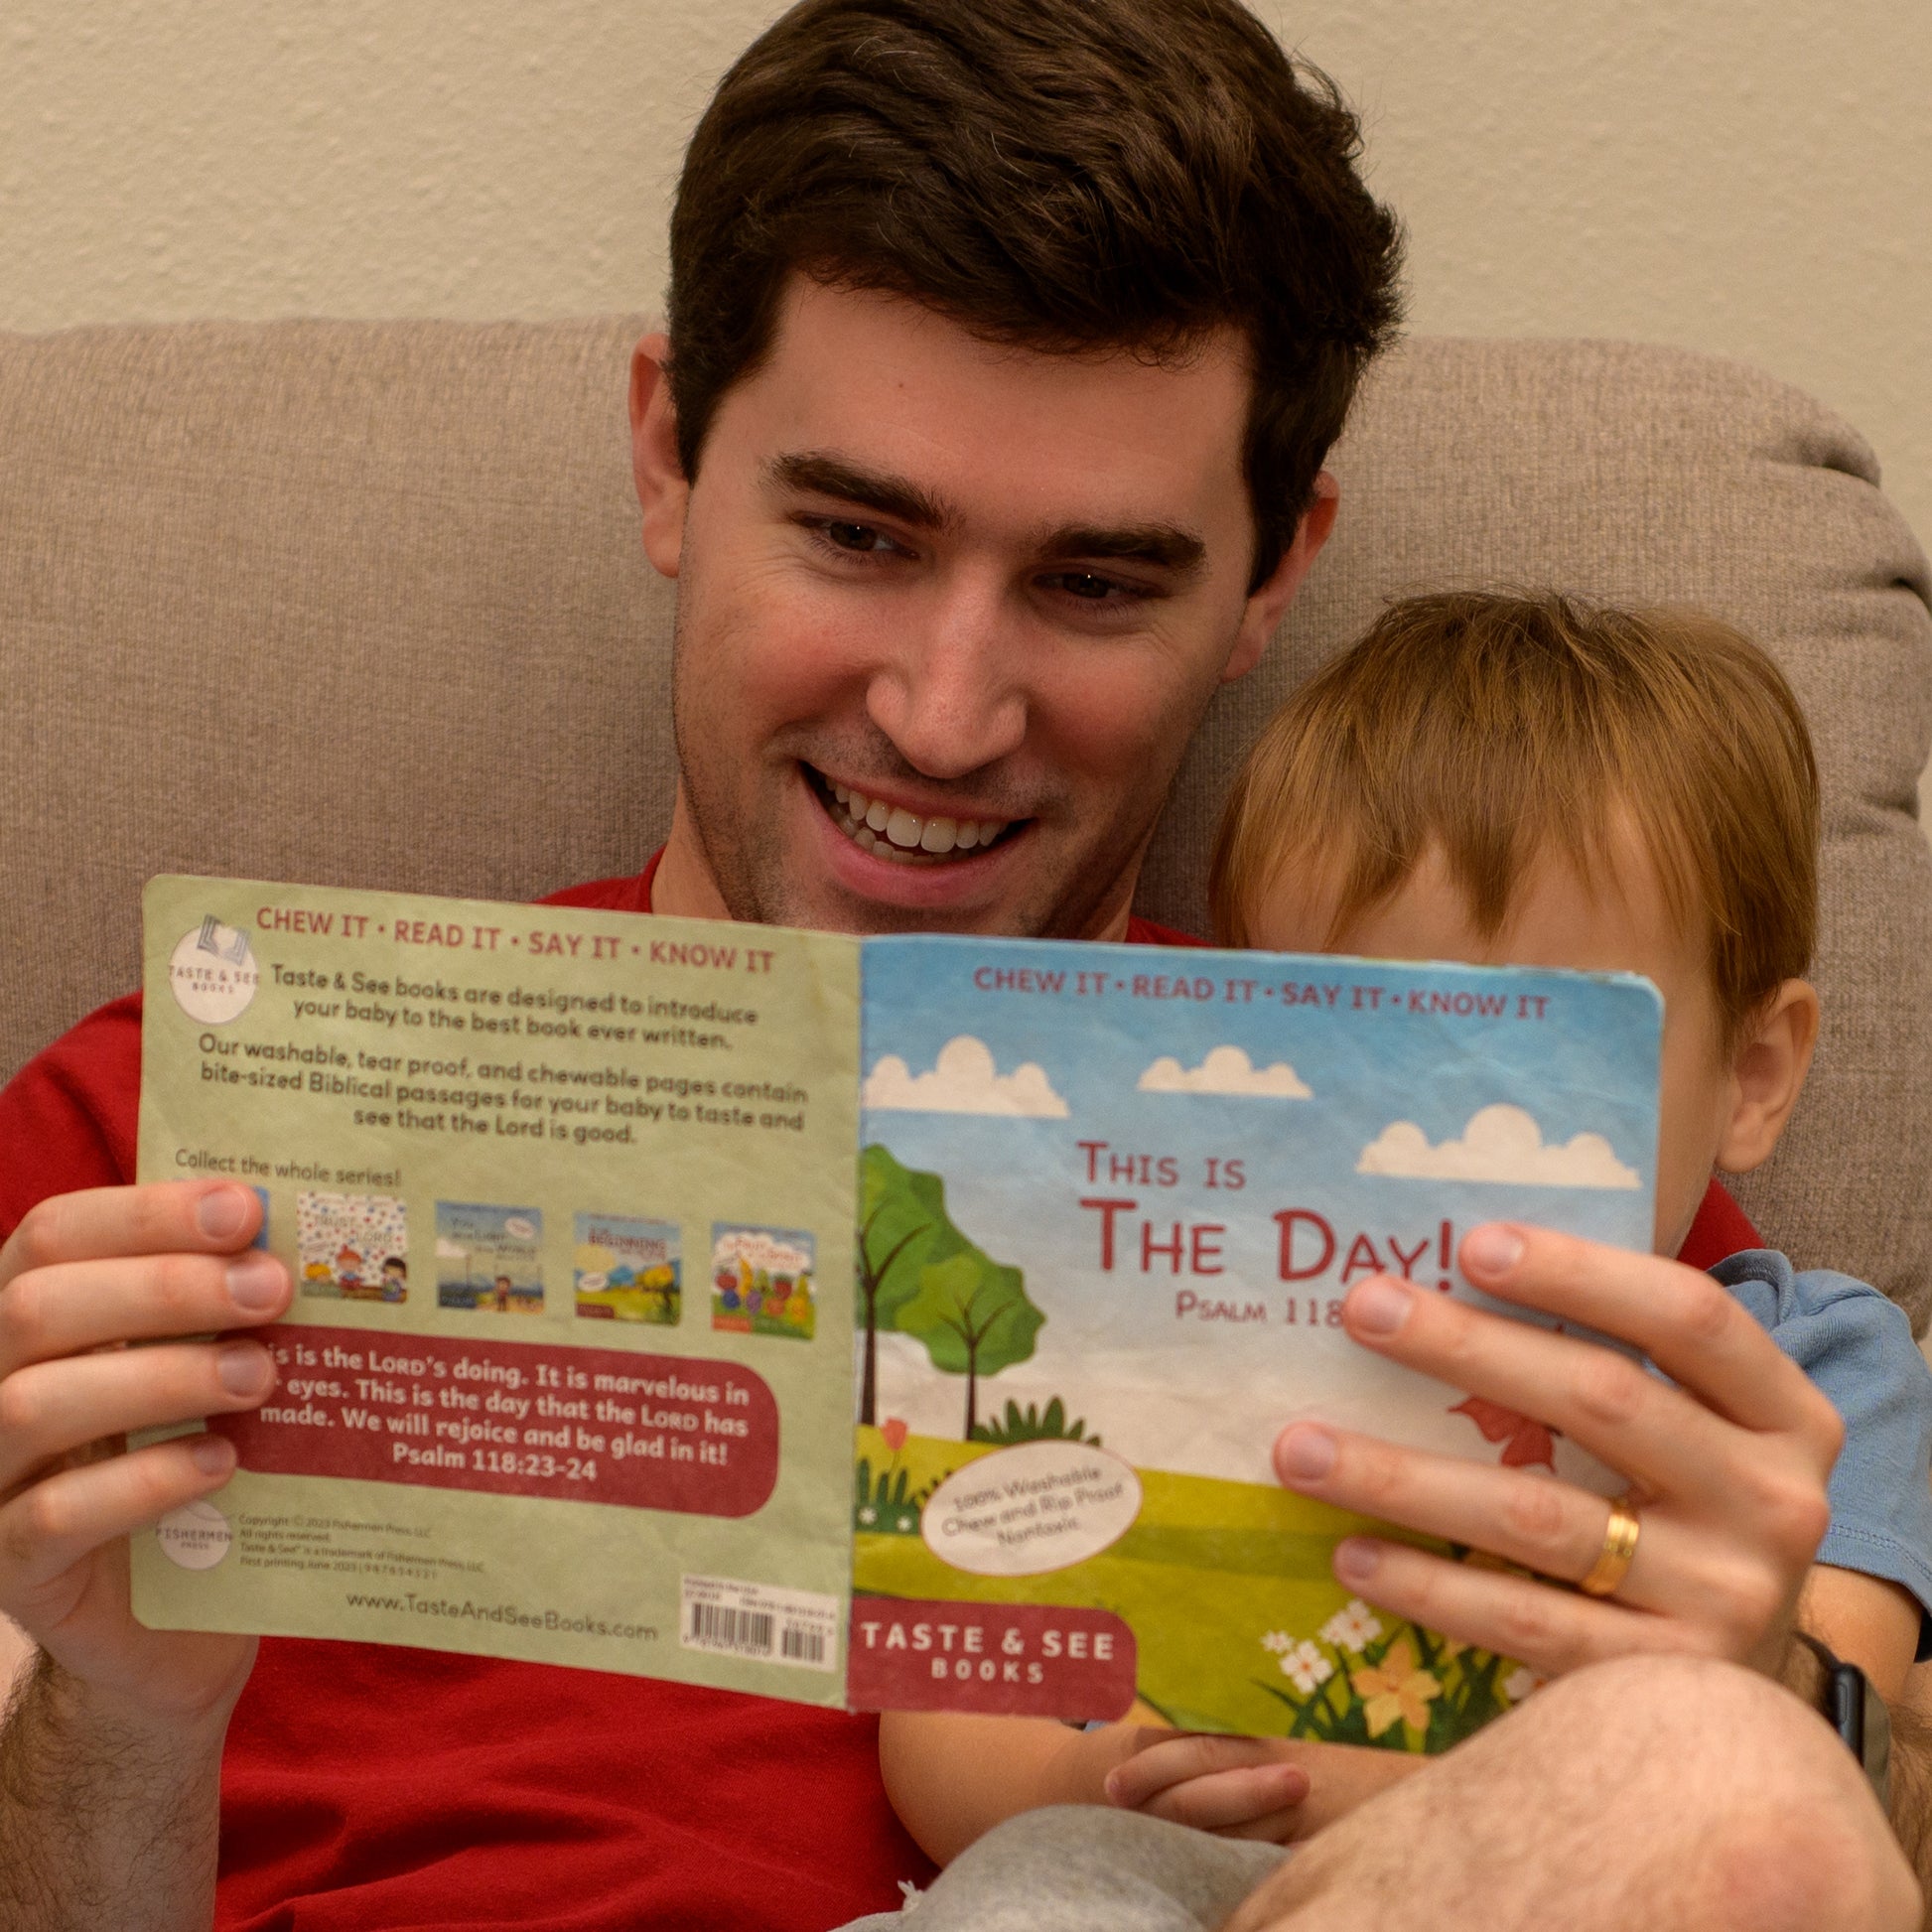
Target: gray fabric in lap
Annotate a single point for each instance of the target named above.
(1085, 1868)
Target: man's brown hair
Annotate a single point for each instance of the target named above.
(1494, 728)
(1071, 176)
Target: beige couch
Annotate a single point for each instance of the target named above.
(364, 602)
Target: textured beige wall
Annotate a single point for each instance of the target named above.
(1738, 174)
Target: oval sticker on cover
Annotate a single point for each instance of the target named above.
(1025, 1510)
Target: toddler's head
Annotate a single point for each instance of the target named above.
(1538, 781)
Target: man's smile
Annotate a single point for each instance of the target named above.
(893, 832)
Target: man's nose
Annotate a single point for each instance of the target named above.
(951, 693)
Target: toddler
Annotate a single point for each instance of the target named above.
(1535, 781)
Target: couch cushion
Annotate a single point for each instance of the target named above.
(319, 601)
(365, 603)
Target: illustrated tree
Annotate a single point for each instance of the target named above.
(900, 1214)
(974, 1317)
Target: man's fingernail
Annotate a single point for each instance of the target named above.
(1492, 1250)
(1379, 1306)
(222, 1214)
(244, 1369)
(213, 1455)
(1304, 1452)
(255, 1283)
(1357, 1559)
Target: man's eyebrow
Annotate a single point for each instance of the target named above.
(1165, 545)
(831, 475)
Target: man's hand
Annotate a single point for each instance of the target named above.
(82, 1274)
(1727, 1461)
(1267, 1788)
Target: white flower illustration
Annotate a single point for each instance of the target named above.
(1278, 1641)
(867, 1514)
(1306, 1668)
(1520, 1683)
(1352, 1628)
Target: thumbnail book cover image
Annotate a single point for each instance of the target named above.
(489, 1257)
(351, 1246)
(762, 1281)
(628, 1268)
(1108, 1212)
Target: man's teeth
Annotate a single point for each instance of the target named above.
(880, 827)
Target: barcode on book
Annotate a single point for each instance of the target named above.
(718, 1626)
(740, 1619)
(798, 1646)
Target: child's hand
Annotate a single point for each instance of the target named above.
(1239, 1787)
(1250, 1787)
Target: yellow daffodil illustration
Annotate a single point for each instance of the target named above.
(1395, 1689)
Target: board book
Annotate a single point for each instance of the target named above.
(899, 1323)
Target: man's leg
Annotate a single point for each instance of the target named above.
(1648, 1795)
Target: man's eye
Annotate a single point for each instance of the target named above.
(1092, 588)
(854, 536)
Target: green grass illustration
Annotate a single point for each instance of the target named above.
(1240, 1624)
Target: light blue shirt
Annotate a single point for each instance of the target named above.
(1857, 1348)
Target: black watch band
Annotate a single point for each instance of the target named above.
(1856, 1712)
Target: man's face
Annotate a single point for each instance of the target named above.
(947, 616)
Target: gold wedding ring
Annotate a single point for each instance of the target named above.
(1612, 1562)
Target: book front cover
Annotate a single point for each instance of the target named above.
(1110, 1202)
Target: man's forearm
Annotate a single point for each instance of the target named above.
(104, 1820)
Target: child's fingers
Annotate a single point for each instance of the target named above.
(1169, 1757)
(1190, 1755)
(1254, 1801)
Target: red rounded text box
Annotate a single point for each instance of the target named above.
(1032, 1659)
(519, 1419)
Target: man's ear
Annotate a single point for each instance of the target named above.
(1767, 1072)
(1271, 596)
(663, 492)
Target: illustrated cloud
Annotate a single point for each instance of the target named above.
(1226, 1070)
(448, 1250)
(1501, 1142)
(964, 1081)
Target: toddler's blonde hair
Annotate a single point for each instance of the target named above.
(1495, 726)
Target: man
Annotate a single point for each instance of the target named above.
(1006, 338)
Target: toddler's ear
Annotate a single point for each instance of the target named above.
(1767, 1072)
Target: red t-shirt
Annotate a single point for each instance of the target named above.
(367, 1788)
